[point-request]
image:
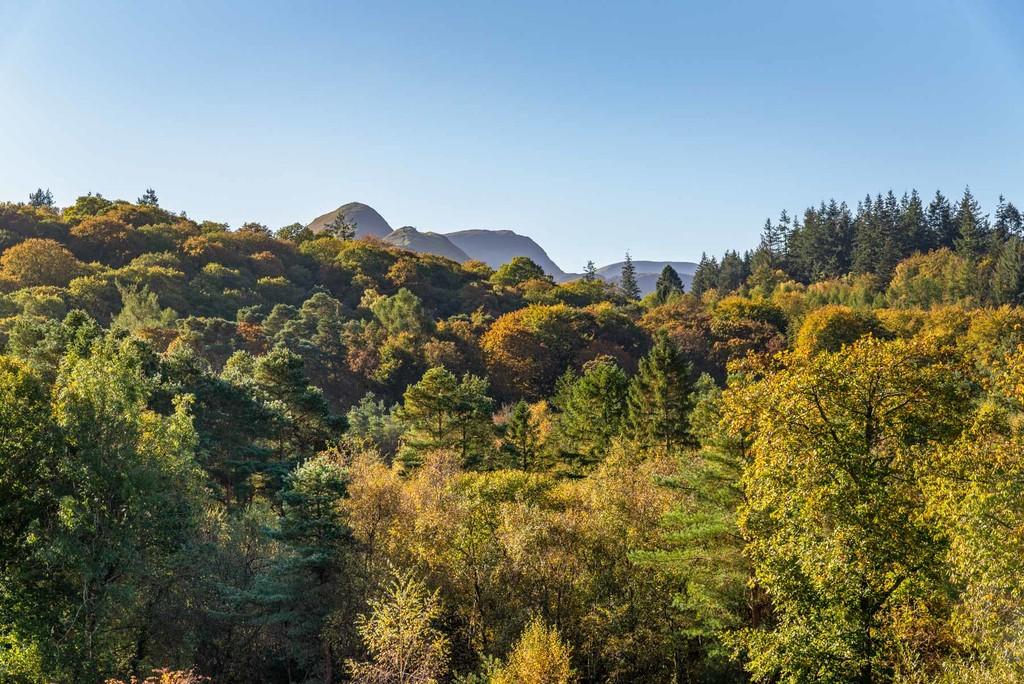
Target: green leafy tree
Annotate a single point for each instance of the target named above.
(140, 310)
(518, 271)
(833, 506)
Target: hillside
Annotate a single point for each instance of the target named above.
(255, 452)
(497, 247)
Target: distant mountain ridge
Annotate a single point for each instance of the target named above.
(493, 247)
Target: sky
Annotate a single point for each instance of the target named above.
(664, 128)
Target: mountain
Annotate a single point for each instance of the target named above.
(497, 247)
(364, 217)
(493, 247)
(647, 272)
(425, 242)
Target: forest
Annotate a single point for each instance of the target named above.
(269, 456)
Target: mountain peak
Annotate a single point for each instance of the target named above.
(364, 217)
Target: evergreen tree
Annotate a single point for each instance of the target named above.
(1008, 223)
(669, 283)
(590, 272)
(592, 410)
(41, 199)
(914, 225)
(149, 198)
(658, 402)
(941, 225)
(1008, 275)
(706, 276)
(627, 282)
(773, 241)
(973, 225)
(732, 272)
(442, 412)
(521, 439)
(340, 228)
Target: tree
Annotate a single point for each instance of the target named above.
(972, 240)
(518, 271)
(773, 241)
(41, 199)
(521, 440)
(149, 198)
(340, 228)
(442, 412)
(706, 276)
(658, 402)
(1008, 277)
(669, 283)
(592, 407)
(140, 310)
(590, 272)
(540, 656)
(627, 281)
(731, 273)
(40, 262)
(941, 225)
(1009, 222)
(833, 510)
(312, 583)
(404, 645)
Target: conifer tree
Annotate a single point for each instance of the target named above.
(149, 198)
(627, 283)
(1008, 275)
(592, 408)
(941, 226)
(706, 276)
(914, 224)
(1008, 223)
(731, 273)
(773, 241)
(669, 283)
(341, 229)
(973, 238)
(590, 272)
(658, 402)
(521, 439)
(41, 198)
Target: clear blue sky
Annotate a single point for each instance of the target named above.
(664, 128)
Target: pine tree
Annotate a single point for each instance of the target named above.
(340, 228)
(592, 407)
(773, 241)
(669, 283)
(706, 276)
(658, 402)
(1008, 275)
(41, 198)
(590, 272)
(627, 283)
(732, 272)
(1008, 223)
(521, 439)
(973, 238)
(149, 198)
(914, 225)
(941, 226)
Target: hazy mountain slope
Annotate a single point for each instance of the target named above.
(365, 218)
(497, 247)
(425, 242)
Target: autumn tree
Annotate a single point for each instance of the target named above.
(833, 507)
(400, 634)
